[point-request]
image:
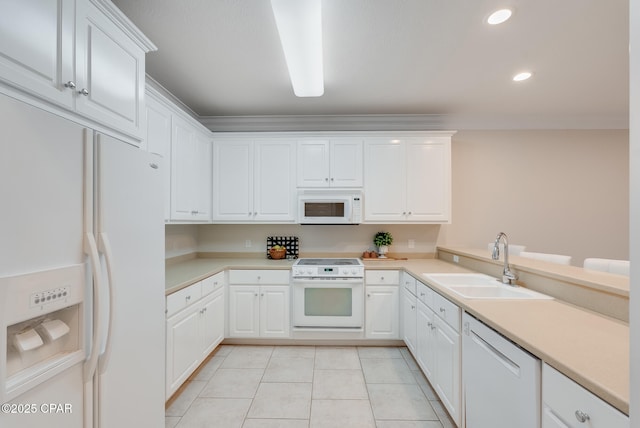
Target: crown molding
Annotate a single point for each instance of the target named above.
(411, 122)
(125, 24)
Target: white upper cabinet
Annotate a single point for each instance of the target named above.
(254, 180)
(82, 55)
(158, 140)
(190, 172)
(36, 47)
(110, 69)
(330, 163)
(408, 180)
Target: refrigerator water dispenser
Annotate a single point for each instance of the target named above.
(42, 327)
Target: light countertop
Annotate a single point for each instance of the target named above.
(587, 347)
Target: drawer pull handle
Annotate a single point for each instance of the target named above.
(581, 416)
(442, 309)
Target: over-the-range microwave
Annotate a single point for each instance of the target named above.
(329, 206)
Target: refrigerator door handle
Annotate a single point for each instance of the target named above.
(91, 249)
(105, 248)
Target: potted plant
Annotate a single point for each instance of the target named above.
(382, 240)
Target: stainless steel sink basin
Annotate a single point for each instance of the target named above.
(480, 286)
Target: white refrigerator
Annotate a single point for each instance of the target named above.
(82, 337)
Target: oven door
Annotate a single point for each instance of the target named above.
(329, 303)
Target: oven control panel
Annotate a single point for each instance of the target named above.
(328, 271)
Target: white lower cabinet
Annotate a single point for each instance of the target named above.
(409, 319)
(447, 355)
(382, 304)
(195, 326)
(565, 404)
(425, 342)
(382, 312)
(257, 310)
(432, 333)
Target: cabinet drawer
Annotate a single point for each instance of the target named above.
(564, 402)
(257, 277)
(209, 285)
(425, 294)
(446, 310)
(382, 277)
(409, 283)
(183, 298)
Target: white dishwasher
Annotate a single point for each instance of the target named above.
(501, 380)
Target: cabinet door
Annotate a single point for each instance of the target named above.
(110, 70)
(409, 313)
(183, 171)
(233, 180)
(202, 184)
(313, 163)
(381, 312)
(428, 179)
(274, 311)
(385, 182)
(447, 374)
(244, 311)
(425, 341)
(212, 322)
(158, 140)
(346, 163)
(37, 55)
(183, 347)
(274, 182)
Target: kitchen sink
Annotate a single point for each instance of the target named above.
(480, 286)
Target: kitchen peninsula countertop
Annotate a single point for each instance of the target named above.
(587, 347)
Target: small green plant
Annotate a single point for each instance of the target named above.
(382, 238)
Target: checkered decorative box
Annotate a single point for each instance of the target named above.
(289, 242)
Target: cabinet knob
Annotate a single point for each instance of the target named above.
(70, 84)
(256, 295)
(404, 213)
(413, 307)
(409, 212)
(422, 294)
(84, 92)
(331, 178)
(261, 294)
(581, 416)
(326, 179)
(368, 295)
(442, 310)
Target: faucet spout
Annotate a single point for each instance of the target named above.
(508, 276)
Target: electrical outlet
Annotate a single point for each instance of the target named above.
(247, 243)
(456, 258)
(412, 243)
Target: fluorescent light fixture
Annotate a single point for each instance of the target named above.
(522, 76)
(499, 16)
(299, 23)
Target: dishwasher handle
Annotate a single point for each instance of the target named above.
(499, 356)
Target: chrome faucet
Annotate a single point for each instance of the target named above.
(508, 276)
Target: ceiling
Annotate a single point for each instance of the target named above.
(428, 59)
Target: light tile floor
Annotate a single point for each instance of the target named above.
(308, 387)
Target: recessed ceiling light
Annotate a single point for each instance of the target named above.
(522, 76)
(499, 16)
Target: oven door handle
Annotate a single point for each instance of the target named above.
(327, 283)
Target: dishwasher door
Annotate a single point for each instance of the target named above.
(501, 380)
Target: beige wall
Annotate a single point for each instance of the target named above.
(564, 192)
